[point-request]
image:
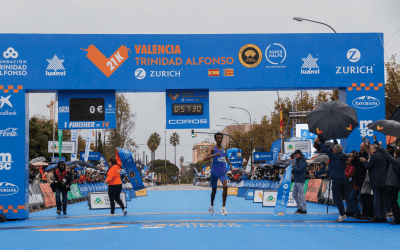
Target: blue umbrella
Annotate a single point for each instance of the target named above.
(54, 166)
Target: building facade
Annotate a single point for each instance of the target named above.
(199, 150)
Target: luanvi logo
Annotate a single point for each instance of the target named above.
(310, 63)
(55, 67)
(107, 65)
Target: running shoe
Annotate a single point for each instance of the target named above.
(302, 212)
(298, 210)
(125, 212)
(58, 212)
(65, 212)
(112, 215)
(211, 209)
(223, 211)
(341, 218)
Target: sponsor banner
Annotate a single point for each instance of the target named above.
(7, 189)
(263, 156)
(132, 192)
(283, 193)
(48, 195)
(75, 192)
(8, 132)
(233, 191)
(68, 147)
(304, 146)
(83, 188)
(128, 164)
(305, 133)
(127, 193)
(142, 192)
(100, 200)
(275, 149)
(249, 193)
(93, 156)
(258, 196)
(241, 192)
(313, 188)
(269, 199)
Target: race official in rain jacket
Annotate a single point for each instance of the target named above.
(114, 185)
(61, 185)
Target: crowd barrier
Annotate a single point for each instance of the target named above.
(42, 194)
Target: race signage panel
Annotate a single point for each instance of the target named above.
(249, 193)
(269, 199)
(86, 109)
(291, 146)
(187, 109)
(258, 196)
(233, 191)
(68, 147)
(100, 200)
(263, 156)
(93, 156)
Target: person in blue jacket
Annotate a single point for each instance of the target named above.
(337, 165)
(299, 172)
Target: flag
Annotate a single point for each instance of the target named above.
(280, 121)
(228, 72)
(60, 136)
(73, 138)
(283, 193)
(88, 141)
(213, 72)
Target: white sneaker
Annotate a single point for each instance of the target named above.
(223, 211)
(211, 209)
(341, 218)
(112, 215)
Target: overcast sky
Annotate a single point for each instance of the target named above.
(197, 17)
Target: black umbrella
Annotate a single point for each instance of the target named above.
(80, 163)
(396, 115)
(332, 120)
(386, 127)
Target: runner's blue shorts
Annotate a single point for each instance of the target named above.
(214, 179)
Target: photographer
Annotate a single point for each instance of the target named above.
(61, 185)
(299, 171)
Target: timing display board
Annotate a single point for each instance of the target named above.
(86, 109)
(187, 109)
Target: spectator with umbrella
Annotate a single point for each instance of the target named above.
(333, 120)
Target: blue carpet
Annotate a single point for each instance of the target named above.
(178, 220)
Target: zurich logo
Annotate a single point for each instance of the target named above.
(366, 102)
(353, 55)
(8, 189)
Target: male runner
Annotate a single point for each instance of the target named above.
(218, 171)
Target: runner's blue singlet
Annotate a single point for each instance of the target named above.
(218, 163)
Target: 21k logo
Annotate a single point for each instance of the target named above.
(107, 65)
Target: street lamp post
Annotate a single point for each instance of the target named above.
(232, 120)
(303, 19)
(251, 140)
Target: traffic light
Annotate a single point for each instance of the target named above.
(192, 133)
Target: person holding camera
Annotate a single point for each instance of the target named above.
(61, 185)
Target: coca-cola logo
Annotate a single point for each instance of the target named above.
(9, 132)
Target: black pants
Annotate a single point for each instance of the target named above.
(64, 198)
(114, 192)
(337, 192)
(380, 202)
(393, 193)
(367, 205)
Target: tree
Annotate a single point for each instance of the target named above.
(168, 173)
(174, 140)
(153, 142)
(392, 93)
(100, 144)
(40, 133)
(122, 136)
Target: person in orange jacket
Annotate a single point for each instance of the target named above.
(114, 185)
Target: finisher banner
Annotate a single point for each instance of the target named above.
(125, 158)
(283, 193)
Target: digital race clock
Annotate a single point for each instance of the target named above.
(187, 108)
(86, 109)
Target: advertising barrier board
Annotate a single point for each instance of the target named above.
(100, 200)
(269, 199)
(258, 196)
